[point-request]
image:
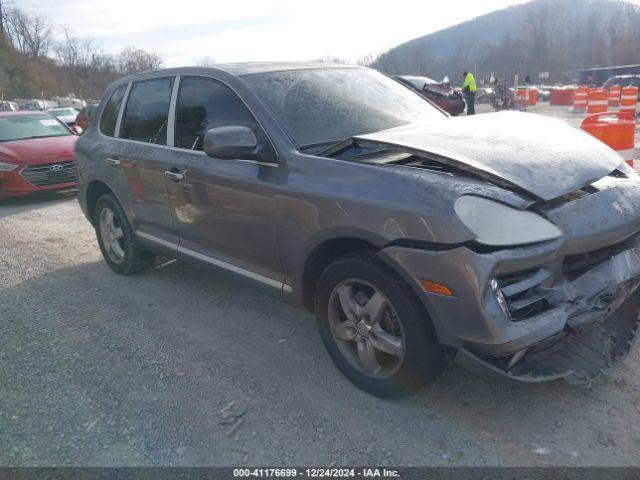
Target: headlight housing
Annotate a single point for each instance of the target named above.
(496, 224)
(7, 167)
(625, 168)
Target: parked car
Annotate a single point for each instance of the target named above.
(83, 119)
(624, 81)
(544, 93)
(6, 106)
(67, 115)
(36, 104)
(36, 154)
(485, 95)
(450, 100)
(506, 242)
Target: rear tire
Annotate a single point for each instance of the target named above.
(406, 353)
(118, 243)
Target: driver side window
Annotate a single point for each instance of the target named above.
(203, 104)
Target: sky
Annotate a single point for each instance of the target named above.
(184, 31)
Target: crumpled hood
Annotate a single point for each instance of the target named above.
(38, 150)
(543, 156)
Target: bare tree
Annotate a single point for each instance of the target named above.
(205, 61)
(331, 59)
(2, 19)
(134, 60)
(366, 60)
(68, 51)
(30, 35)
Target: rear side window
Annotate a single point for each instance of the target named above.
(110, 112)
(145, 118)
(204, 104)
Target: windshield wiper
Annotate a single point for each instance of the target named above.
(33, 137)
(43, 136)
(328, 143)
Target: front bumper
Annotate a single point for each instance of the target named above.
(582, 320)
(14, 184)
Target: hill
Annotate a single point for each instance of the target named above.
(555, 36)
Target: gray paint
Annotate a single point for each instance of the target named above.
(263, 220)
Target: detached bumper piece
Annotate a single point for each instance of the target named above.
(602, 307)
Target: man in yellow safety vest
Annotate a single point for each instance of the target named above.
(469, 92)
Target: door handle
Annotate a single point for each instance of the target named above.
(114, 162)
(174, 175)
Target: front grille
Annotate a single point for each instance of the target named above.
(527, 293)
(50, 174)
(575, 265)
(523, 293)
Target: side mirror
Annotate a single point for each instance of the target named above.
(230, 142)
(77, 129)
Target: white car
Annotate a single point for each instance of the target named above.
(66, 115)
(8, 106)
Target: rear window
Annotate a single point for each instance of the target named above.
(110, 113)
(146, 113)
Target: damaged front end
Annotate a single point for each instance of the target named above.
(600, 307)
(565, 306)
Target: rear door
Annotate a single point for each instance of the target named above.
(224, 210)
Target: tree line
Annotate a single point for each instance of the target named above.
(34, 64)
(555, 36)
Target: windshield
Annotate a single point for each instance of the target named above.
(320, 107)
(30, 126)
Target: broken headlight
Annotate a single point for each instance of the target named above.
(497, 224)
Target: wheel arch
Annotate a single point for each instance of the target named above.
(332, 249)
(322, 255)
(95, 189)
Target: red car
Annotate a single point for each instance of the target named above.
(83, 120)
(36, 154)
(440, 93)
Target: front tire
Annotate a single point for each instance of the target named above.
(375, 329)
(117, 241)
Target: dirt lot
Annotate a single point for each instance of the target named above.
(97, 369)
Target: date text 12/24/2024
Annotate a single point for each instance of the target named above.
(315, 472)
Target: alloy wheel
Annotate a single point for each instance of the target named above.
(366, 328)
(111, 235)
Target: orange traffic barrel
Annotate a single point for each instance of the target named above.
(629, 100)
(580, 100)
(597, 100)
(533, 96)
(616, 129)
(614, 95)
(562, 96)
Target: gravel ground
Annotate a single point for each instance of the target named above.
(97, 369)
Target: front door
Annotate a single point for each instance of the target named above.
(224, 210)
